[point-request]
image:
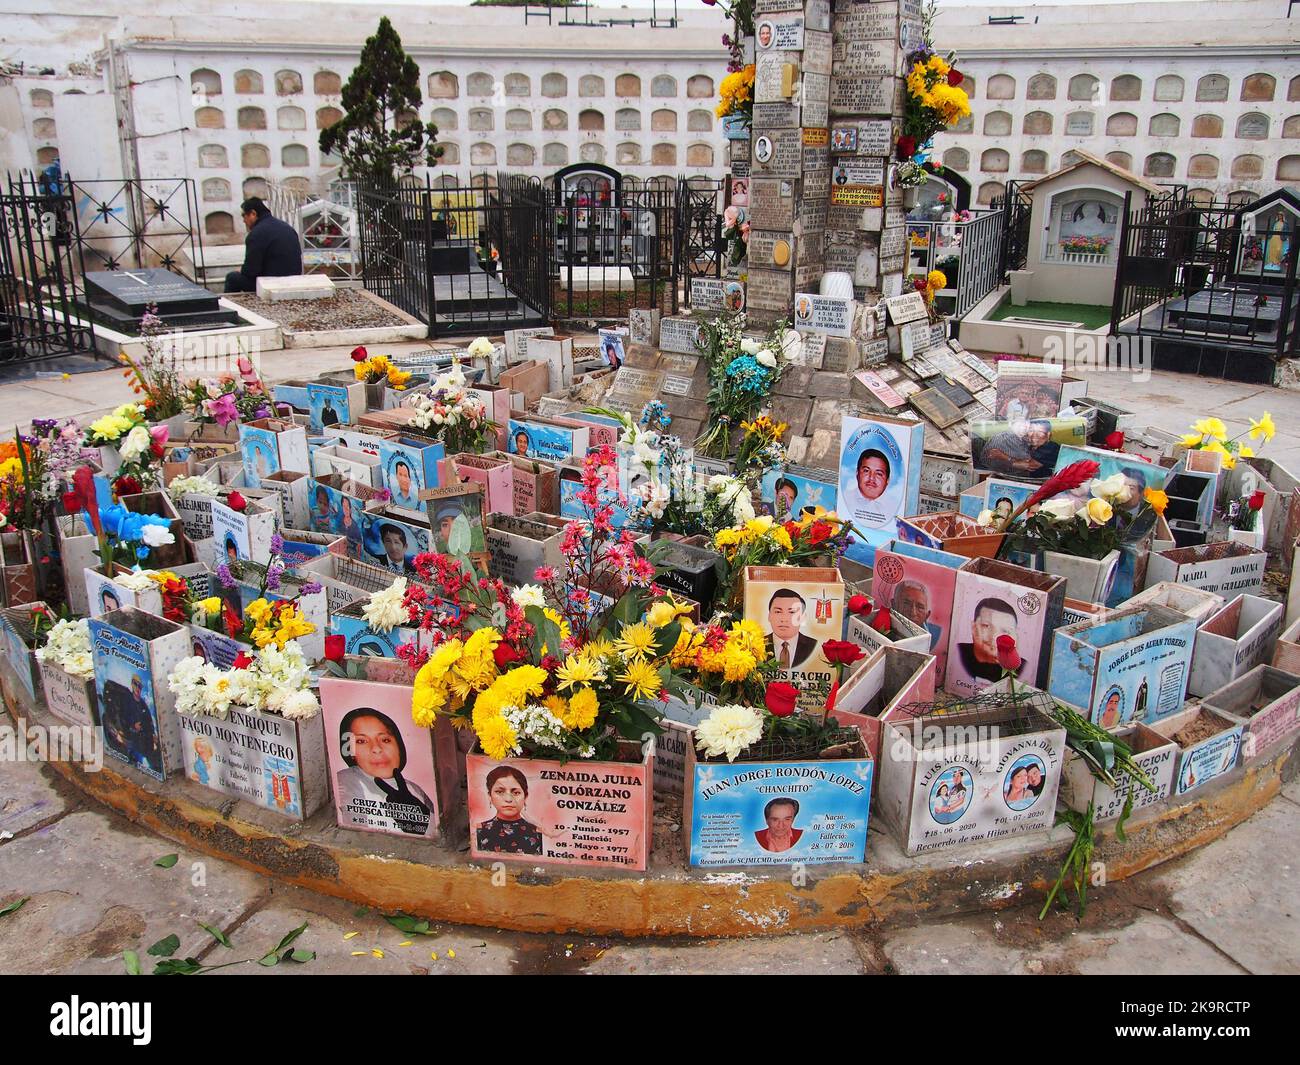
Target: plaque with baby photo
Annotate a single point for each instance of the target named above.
(798, 608)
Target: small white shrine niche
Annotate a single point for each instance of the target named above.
(1268, 235)
(1083, 227)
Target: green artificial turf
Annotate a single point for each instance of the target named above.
(1092, 316)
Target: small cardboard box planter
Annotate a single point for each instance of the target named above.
(1196, 603)
(1155, 755)
(573, 813)
(70, 698)
(919, 579)
(536, 484)
(1234, 640)
(939, 788)
(682, 713)
(1224, 568)
(360, 639)
(517, 546)
(271, 444)
(950, 531)
(879, 687)
(19, 643)
(291, 487)
(1132, 665)
(133, 653)
(259, 757)
(78, 552)
(389, 776)
(1286, 654)
(1268, 700)
(1208, 744)
(346, 462)
(805, 807)
(903, 633)
(548, 439)
(160, 505)
(496, 475)
(996, 598)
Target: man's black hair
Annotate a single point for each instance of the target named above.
(255, 204)
(996, 605)
(786, 593)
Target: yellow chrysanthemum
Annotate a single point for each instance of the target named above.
(557, 705)
(782, 538)
(445, 656)
(737, 663)
(425, 704)
(1264, 429)
(482, 642)
(636, 640)
(578, 669)
(1192, 440)
(641, 679)
(749, 636)
(496, 737)
(597, 650)
(756, 527)
(726, 538)
(582, 710)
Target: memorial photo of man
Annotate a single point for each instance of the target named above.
(993, 618)
(785, 642)
(129, 724)
(1023, 448)
(780, 833)
(393, 539)
(785, 495)
(521, 443)
(912, 600)
(406, 491)
(873, 473)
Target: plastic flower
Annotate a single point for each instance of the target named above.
(641, 680)
(636, 640)
(1058, 509)
(386, 609)
(1211, 427)
(1264, 429)
(1157, 499)
(728, 730)
(497, 738)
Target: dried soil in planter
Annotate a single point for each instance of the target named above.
(1201, 729)
(346, 309)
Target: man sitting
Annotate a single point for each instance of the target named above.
(271, 248)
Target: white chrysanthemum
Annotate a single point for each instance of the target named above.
(728, 730)
(481, 347)
(192, 486)
(749, 346)
(742, 507)
(68, 647)
(186, 682)
(300, 705)
(384, 610)
(528, 595)
(718, 482)
(222, 688)
(136, 581)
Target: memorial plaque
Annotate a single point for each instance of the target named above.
(121, 297)
(781, 33)
(715, 294)
(777, 115)
(637, 387)
(832, 315)
(1253, 127)
(815, 159)
(862, 96)
(858, 195)
(813, 350)
(876, 352)
(771, 204)
(980, 367)
(771, 249)
(812, 249)
(766, 7)
(772, 76)
(895, 217)
(809, 274)
(817, 15)
(861, 59)
(816, 94)
(857, 171)
(812, 214)
(643, 325)
(739, 150)
(936, 407)
(910, 9)
(815, 136)
(816, 52)
(909, 307)
(841, 250)
(740, 169)
(866, 267)
(873, 137)
(893, 249)
(866, 22)
(784, 151)
(842, 355)
(680, 335)
(769, 290)
(880, 388)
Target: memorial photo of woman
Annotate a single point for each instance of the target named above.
(371, 745)
(508, 831)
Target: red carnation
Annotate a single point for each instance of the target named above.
(820, 531)
(359, 354)
(859, 604)
(71, 502)
(242, 660)
(1115, 441)
(906, 147)
(334, 648)
(237, 503)
(1256, 501)
(156, 450)
(780, 698)
(1063, 481)
(955, 77)
(504, 654)
(1008, 657)
(842, 653)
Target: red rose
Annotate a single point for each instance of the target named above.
(918, 283)
(1008, 657)
(881, 622)
(792, 527)
(955, 77)
(71, 502)
(842, 653)
(243, 660)
(126, 486)
(504, 654)
(906, 147)
(156, 450)
(334, 648)
(780, 698)
(859, 604)
(820, 531)
(1256, 501)
(237, 503)
(1115, 441)
(359, 354)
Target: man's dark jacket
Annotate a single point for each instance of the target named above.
(271, 249)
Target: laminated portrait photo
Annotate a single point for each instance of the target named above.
(793, 492)
(799, 609)
(1026, 449)
(380, 763)
(879, 479)
(1027, 390)
(919, 583)
(392, 544)
(445, 505)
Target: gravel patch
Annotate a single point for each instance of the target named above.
(346, 309)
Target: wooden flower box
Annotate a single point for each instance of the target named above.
(1234, 640)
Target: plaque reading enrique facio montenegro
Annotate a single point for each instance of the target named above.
(771, 203)
(816, 52)
(783, 149)
(856, 96)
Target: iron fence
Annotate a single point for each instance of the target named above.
(968, 254)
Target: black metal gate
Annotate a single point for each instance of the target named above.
(40, 268)
(1016, 207)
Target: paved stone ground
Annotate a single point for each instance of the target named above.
(94, 891)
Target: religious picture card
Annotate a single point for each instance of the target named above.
(879, 479)
(798, 608)
(381, 763)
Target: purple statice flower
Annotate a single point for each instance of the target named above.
(262, 412)
(273, 580)
(277, 543)
(311, 588)
(223, 575)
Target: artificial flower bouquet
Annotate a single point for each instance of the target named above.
(1088, 521)
(1210, 436)
(819, 538)
(378, 370)
(275, 679)
(934, 100)
(229, 399)
(452, 414)
(130, 449)
(736, 93)
(1081, 245)
(743, 371)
